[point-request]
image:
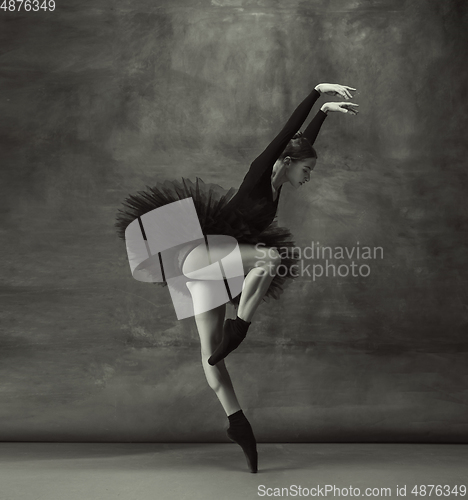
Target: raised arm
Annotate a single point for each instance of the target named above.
(279, 143)
(272, 152)
(312, 130)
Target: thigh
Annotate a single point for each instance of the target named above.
(209, 323)
(198, 258)
(254, 257)
(207, 295)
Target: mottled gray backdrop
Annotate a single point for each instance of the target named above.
(101, 98)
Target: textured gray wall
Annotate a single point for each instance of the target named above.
(99, 99)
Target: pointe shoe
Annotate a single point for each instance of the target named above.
(234, 332)
(248, 445)
(251, 458)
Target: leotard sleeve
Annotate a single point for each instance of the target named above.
(312, 130)
(271, 153)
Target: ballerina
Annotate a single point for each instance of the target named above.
(249, 217)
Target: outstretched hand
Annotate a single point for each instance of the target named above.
(341, 107)
(334, 89)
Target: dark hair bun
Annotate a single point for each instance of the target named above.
(299, 148)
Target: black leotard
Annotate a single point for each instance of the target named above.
(256, 185)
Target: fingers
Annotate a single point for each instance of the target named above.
(343, 107)
(345, 91)
(348, 106)
(341, 90)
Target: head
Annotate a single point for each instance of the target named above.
(299, 158)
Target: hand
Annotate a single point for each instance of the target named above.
(342, 107)
(334, 89)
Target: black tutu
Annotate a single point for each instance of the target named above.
(210, 202)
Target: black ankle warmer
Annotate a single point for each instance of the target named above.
(237, 417)
(242, 325)
(234, 332)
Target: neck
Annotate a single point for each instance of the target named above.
(278, 177)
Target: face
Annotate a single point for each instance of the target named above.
(298, 171)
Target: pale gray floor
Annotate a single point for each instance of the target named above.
(69, 471)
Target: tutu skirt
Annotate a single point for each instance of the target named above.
(246, 224)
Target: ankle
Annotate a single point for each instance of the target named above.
(239, 318)
(237, 417)
(235, 414)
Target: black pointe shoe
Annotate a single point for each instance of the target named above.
(234, 332)
(240, 432)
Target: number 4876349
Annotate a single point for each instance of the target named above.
(27, 5)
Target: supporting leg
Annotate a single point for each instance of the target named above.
(210, 327)
(210, 324)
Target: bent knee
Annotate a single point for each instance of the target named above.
(195, 260)
(206, 352)
(212, 374)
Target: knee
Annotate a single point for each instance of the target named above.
(195, 260)
(212, 373)
(205, 355)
